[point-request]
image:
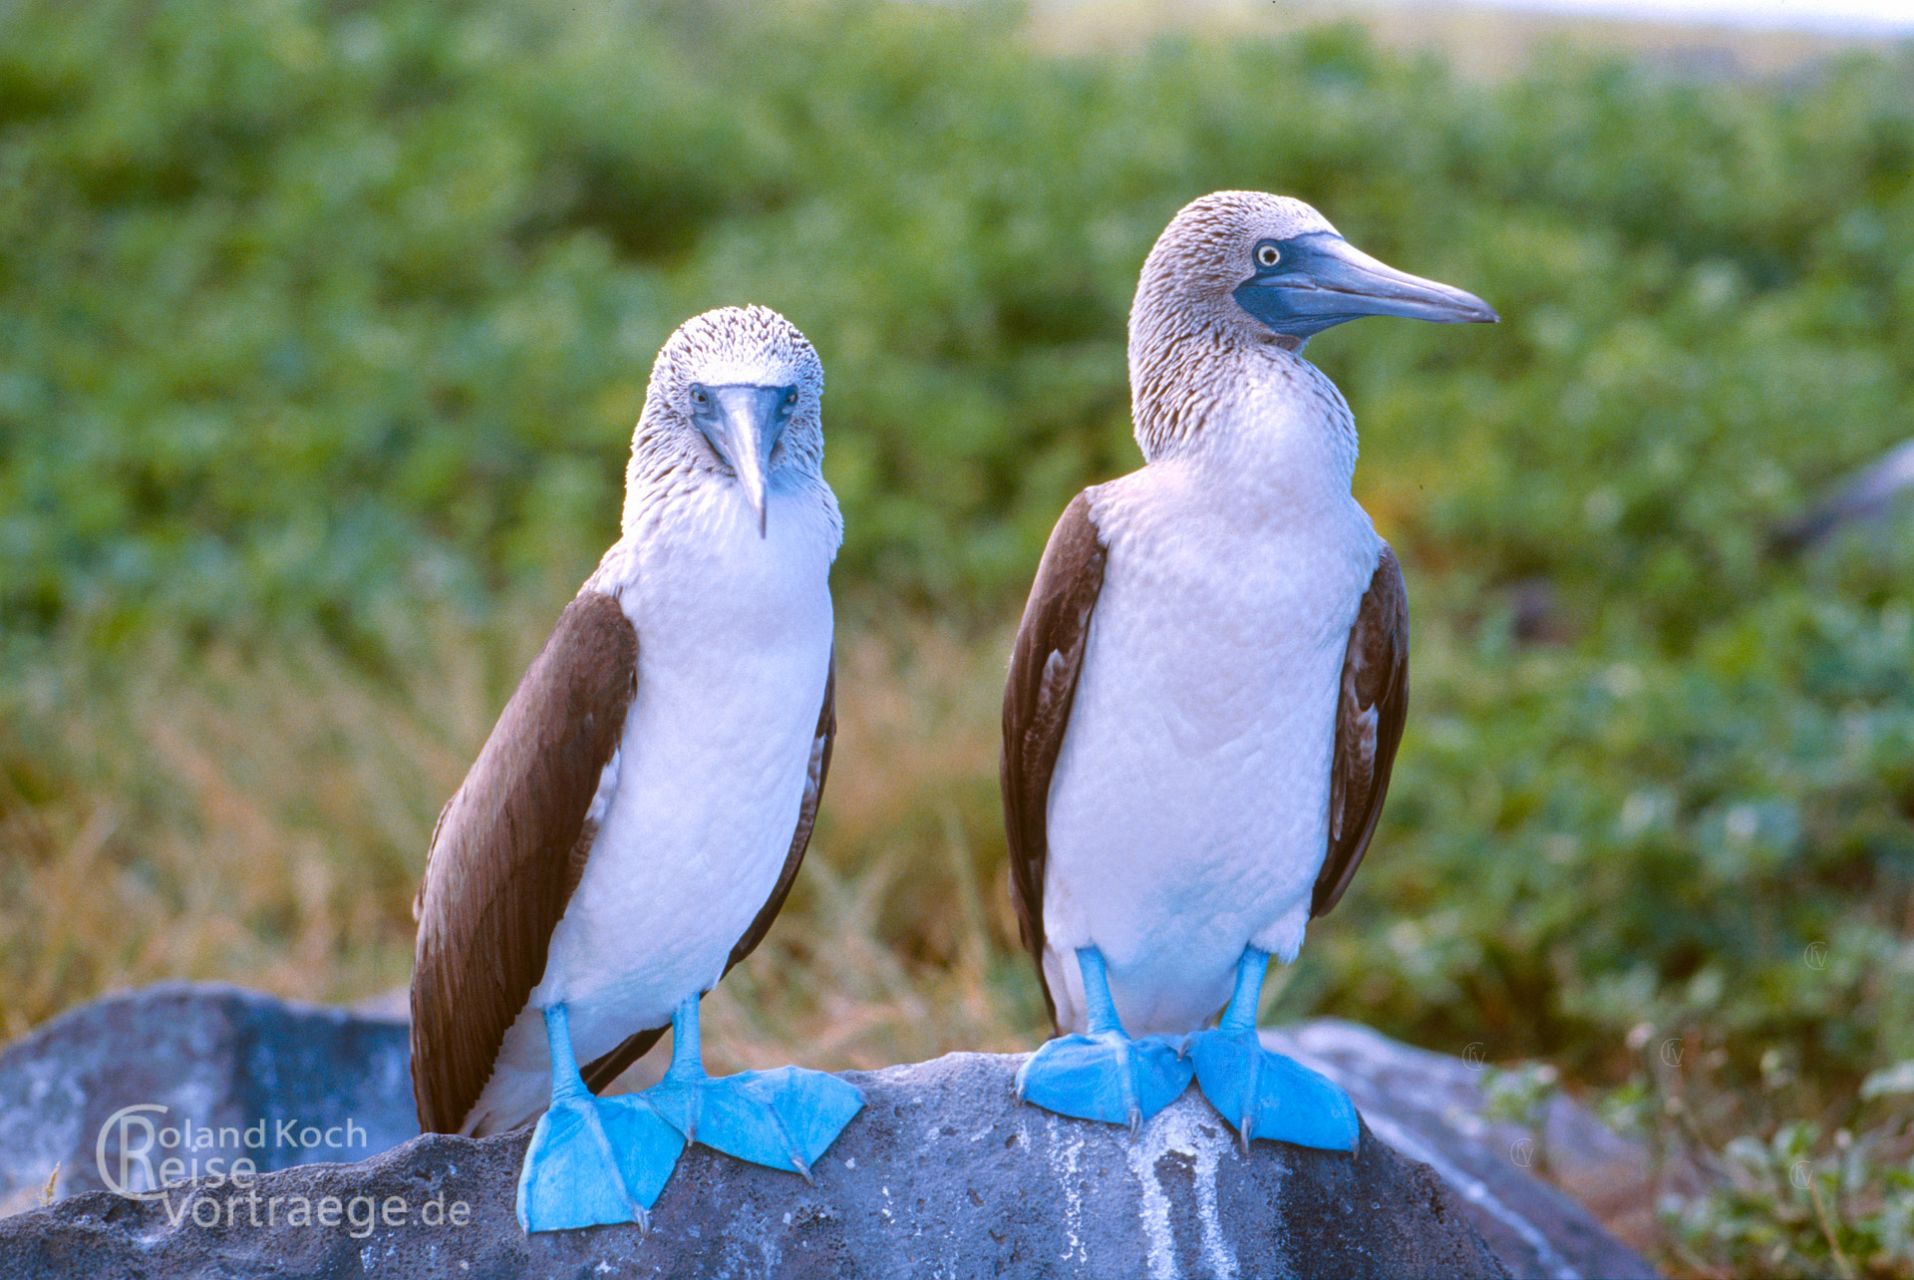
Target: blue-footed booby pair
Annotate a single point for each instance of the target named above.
(1209, 684)
(636, 817)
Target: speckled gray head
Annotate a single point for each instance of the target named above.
(1255, 265)
(737, 391)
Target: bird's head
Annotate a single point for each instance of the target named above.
(1255, 265)
(736, 392)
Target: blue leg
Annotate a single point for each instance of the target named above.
(1264, 1094)
(1103, 1075)
(786, 1118)
(593, 1161)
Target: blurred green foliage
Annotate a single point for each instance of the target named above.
(310, 310)
(312, 303)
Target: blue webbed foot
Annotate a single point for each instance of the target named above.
(1104, 1076)
(786, 1118)
(594, 1162)
(1265, 1095)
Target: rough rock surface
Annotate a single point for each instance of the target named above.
(214, 1055)
(1430, 1107)
(943, 1174)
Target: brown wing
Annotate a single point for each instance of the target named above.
(603, 1071)
(1369, 717)
(507, 851)
(1044, 665)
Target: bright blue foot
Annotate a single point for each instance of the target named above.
(594, 1162)
(1265, 1095)
(1104, 1076)
(786, 1118)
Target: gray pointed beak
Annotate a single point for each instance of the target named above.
(743, 425)
(1323, 280)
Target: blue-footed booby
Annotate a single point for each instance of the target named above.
(1209, 684)
(633, 823)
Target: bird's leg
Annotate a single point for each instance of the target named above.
(784, 1118)
(687, 1042)
(1247, 999)
(1103, 1074)
(1264, 1094)
(592, 1161)
(1100, 1008)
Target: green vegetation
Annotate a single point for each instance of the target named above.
(323, 325)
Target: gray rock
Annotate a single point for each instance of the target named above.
(212, 1055)
(1868, 496)
(1432, 1108)
(943, 1174)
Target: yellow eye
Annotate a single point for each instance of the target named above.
(1267, 255)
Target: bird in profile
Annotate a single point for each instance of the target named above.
(633, 823)
(1209, 683)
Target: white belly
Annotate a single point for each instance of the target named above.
(1188, 813)
(698, 807)
(710, 777)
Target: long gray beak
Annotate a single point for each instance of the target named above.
(743, 427)
(1323, 280)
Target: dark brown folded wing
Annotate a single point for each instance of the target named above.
(1369, 718)
(604, 1070)
(507, 852)
(1044, 666)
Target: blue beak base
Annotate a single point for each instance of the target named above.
(742, 424)
(1321, 280)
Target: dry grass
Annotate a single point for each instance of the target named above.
(259, 813)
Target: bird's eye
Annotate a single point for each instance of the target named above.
(1267, 255)
(698, 396)
(790, 399)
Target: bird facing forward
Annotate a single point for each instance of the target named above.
(634, 821)
(1210, 681)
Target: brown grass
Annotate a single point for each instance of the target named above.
(259, 813)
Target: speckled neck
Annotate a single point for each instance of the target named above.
(1250, 416)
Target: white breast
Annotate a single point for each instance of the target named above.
(698, 809)
(1189, 809)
